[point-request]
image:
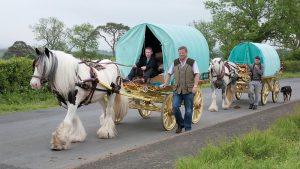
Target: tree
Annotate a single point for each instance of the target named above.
(272, 21)
(51, 32)
(235, 21)
(288, 15)
(84, 38)
(206, 29)
(113, 31)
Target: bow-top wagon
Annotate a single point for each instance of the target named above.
(243, 55)
(165, 41)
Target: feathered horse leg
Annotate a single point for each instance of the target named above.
(213, 106)
(107, 129)
(71, 128)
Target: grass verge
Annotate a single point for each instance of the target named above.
(31, 100)
(277, 147)
(287, 75)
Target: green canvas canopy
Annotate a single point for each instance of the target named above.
(245, 53)
(164, 39)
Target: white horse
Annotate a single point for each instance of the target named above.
(72, 81)
(223, 75)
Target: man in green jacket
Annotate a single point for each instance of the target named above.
(186, 74)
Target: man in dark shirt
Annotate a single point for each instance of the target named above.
(146, 67)
(257, 70)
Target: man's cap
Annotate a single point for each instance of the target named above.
(257, 57)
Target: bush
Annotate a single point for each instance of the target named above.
(15, 75)
(291, 66)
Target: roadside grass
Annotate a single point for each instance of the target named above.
(288, 75)
(277, 147)
(31, 100)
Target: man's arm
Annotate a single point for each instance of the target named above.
(196, 79)
(261, 70)
(140, 62)
(152, 64)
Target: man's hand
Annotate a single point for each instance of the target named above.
(143, 67)
(163, 85)
(257, 67)
(134, 65)
(194, 90)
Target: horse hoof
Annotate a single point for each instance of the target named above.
(212, 110)
(57, 144)
(56, 148)
(104, 134)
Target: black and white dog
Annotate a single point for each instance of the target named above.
(287, 93)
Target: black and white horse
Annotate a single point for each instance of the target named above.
(67, 77)
(223, 75)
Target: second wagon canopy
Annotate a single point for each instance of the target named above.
(164, 39)
(244, 53)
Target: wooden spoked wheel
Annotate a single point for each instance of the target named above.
(168, 119)
(238, 95)
(275, 92)
(264, 93)
(144, 113)
(198, 106)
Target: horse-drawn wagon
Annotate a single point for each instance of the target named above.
(164, 40)
(77, 82)
(243, 55)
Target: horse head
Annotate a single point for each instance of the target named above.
(216, 66)
(41, 68)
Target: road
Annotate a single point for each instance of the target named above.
(25, 137)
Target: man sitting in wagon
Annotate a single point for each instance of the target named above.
(146, 67)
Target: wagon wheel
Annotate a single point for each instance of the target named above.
(168, 119)
(264, 93)
(275, 92)
(144, 113)
(198, 106)
(238, 95)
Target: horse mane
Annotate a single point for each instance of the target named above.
(64, 68)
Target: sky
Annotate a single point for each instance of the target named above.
(17, 15)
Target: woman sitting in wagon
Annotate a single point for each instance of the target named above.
(146, 67)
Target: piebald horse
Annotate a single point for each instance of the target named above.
(72, 82)
(223, 75)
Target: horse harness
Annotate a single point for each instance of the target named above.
(115, 88)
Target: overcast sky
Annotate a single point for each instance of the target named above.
(17, 15)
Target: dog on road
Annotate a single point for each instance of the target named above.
(287, 93)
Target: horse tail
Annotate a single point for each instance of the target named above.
(121, 106)
(230, 91)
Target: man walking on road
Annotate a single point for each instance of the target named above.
(256, 70)
(186, 74)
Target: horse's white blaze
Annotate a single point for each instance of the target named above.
(35, 82)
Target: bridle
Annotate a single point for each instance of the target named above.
(35, 65)
(219, 75)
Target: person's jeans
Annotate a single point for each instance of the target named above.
(188, 104)
(255, 88)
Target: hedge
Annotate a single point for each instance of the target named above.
(15, 75)
(291, 66)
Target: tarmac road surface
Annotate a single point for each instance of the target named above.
(25, 137)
